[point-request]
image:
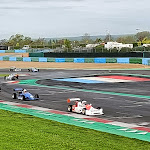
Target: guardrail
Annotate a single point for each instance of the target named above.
(144, 61)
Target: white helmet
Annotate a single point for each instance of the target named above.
(24, 90)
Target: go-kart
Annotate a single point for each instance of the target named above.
(33, 69)
(82, 107)
(14, 69)
(11, 77)
(22, 94)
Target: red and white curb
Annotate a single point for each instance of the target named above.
(89, 118)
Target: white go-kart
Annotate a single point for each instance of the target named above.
(82, 107)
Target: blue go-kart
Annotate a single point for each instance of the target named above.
(23, 94)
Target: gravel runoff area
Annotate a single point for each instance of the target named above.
(67, 65)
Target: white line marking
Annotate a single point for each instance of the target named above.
(123, 129)
(82, 121)
(142, 133)
(123, 124)
(132, 106)
(90, 122)
(144, 123)
(131, 131)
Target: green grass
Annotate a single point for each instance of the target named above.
(25, 132)
(2, 75)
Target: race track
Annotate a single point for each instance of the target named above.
(122, 101)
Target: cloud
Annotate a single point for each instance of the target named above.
(72, 17)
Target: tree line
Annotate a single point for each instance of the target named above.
(18, 41)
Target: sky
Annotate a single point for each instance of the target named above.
(69, 18)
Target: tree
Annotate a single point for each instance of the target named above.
(27, 41)
(68, 46)
(98, 40)
(108, 38)
(3, 42)
(15, 39)
(86, 39)
(141, 35)
(126, 39)
(146, 41)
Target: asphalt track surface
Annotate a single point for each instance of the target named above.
(117, 107)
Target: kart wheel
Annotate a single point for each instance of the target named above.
(13, 78)
(98, 107)
(14, 96)
(4, 77)
(28, 70)
(38, 70)
(70, 108)
(84, 111)
(23, 98)
(36, 96)
(16, 76)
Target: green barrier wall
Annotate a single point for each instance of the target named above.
(135, 61)
(19, 58)
(148, 62)
(50, 59)
(10, 51)
(35, 59)
(69, 59)
(6, 58)
(36, 54)
(89, 60)
(111, 60)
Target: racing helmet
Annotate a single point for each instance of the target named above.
(24, 90)
(84, 102)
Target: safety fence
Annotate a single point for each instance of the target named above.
(13, 51)
(145, 61)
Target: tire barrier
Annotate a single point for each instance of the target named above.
(111, 60)
(20, 51)
(135, 61)
(26, 59)
(100, 60)
(89, 60)
(19, 58)
(1, 58)
(78, 60)
(12, 58)
(35, 59)
(123, 60)
(144, 61)
(5, 58)
(2, 51)
(60, 60)
(50, 59)
(69, 59)
(42, 59)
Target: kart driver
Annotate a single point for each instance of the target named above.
(24, 91)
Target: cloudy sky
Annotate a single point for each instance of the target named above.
(63, 18)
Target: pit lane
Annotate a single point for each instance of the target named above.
(116, 107)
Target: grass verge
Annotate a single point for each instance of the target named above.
(25, 132)
(2, 75)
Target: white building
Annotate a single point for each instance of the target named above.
(91, 45)
(111, 45)
(146, 45)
